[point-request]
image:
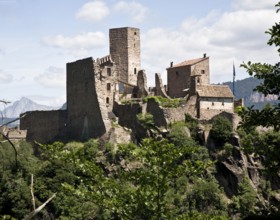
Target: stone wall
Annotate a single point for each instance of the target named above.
(142, 89)
(178, 79)
(86, 111)
(44, 126)
(202, 68)
(164, 116)
(159, 89)
(127, 114)
(216, 104)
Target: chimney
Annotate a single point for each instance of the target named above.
(171, 64)
(204, 55)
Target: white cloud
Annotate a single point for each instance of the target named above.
(52, 77)
(253, 4)
(79, 45)
(81, 41)
(231, 36)
(5, 77)
(93, 11)
(137, 11)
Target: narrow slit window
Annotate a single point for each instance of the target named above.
(109, 72)
(107, 100)
(108, 86)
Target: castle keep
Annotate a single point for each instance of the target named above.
(96, 88)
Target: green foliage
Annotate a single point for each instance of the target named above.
(15, 194)
(146, 119)
(206, 196)
(228, 149)
(164, 102)
(180, 135)
(245, 200)
(221, 130)
(270, 74)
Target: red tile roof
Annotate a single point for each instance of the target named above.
(189, 62)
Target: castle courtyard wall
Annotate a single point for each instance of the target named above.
(127, 114)
(44, 126)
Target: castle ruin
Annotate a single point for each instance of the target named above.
(95, 89)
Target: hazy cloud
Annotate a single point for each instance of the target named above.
(81, 41)
(136, 10)
(52, 77)
(5, 77)
(2, 52)
(253, 4)
(93, 11)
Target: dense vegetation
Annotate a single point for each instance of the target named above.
(164, 177)
(155, 180)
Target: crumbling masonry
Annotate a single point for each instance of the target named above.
(95, 89)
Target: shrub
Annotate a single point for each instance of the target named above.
(164, 102)
(221, 130)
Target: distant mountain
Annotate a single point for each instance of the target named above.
(21, 106)
(244, 89)
(64, 106)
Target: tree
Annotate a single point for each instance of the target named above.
(221, 130)
(270, 74)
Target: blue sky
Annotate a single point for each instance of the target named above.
(39, 37)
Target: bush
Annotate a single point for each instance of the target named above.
(164, 102)
(245, 200)
(221, 130)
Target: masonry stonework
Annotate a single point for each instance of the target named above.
(44, 126)
(125, 52)
(109, 89)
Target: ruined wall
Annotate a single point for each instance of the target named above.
(127, 114)
(86, 100)
(44, 126)
(125, 52)
(159, 89)
(142, 89)
(178, 79)
(164, 116)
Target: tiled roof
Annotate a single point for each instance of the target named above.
(221, 91)
(189, 62)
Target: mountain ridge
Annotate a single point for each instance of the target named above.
(245, 89)
(21, 106)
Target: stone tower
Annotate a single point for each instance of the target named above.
(84, 109)
(125, 53)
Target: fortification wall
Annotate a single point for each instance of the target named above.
(44, 126)
(84, 107)
(164, 116)
(127, 114)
